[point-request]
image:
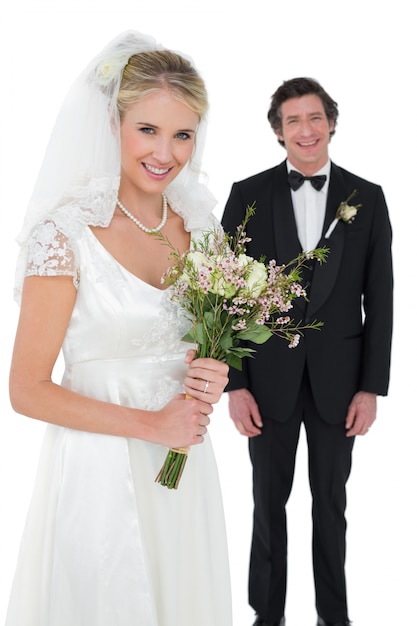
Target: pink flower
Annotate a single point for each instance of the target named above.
(295, 341)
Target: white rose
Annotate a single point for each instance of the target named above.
(195, 261)
(198, 259)
(348, 213)
(110, 70)
(220, 286)
(244, 260)
(257, 278)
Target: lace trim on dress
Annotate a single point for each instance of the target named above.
(90, 201)
(51, 249)
(165, 336)
(50, 253)
(196, 210)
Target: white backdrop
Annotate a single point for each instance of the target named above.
(364, 54)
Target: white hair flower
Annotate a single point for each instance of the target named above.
(111, 69)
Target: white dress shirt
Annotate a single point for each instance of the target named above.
(309, 208)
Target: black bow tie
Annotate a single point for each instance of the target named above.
(296, 179)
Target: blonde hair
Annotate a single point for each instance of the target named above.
(147, 72)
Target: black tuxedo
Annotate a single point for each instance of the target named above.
(347, 355)
(352, 295)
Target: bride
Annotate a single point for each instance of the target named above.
(104, 544)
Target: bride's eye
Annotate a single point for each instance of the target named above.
(183, 135)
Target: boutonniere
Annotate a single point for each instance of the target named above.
(345, 212)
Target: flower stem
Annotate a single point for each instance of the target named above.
(171, 471)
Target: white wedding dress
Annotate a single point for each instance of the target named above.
(104, 545)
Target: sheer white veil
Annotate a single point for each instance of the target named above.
(80, 174)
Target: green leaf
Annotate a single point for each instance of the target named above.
(242, 352)
(260, 335)
(234, 361)
(200, 335)
(226, 341)
(189, 336)
(209, 319)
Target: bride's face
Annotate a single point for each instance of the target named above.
(157, 139)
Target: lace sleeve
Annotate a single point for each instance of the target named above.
(50, 253)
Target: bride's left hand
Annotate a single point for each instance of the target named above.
(206, 378)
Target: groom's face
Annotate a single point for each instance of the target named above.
(305, 132)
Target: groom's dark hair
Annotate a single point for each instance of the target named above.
(295, 88)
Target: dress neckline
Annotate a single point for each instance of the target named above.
(121, 266)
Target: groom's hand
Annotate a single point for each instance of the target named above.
(244, 412)
(361, 413)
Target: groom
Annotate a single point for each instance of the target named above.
(330, 382)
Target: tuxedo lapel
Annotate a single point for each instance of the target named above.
(325, 274)
(287, 244)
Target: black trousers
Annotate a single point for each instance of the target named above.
(273, 456)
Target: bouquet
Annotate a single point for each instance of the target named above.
(230, 297)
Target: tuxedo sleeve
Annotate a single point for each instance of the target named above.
(235, 210)
(378, 304)
(233, 216)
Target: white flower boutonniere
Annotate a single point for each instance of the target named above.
(345, 212)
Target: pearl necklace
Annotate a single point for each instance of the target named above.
(139, 223)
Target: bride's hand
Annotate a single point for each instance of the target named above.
(182, 422)
(206, 378)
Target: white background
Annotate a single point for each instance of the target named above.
(364, 55)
